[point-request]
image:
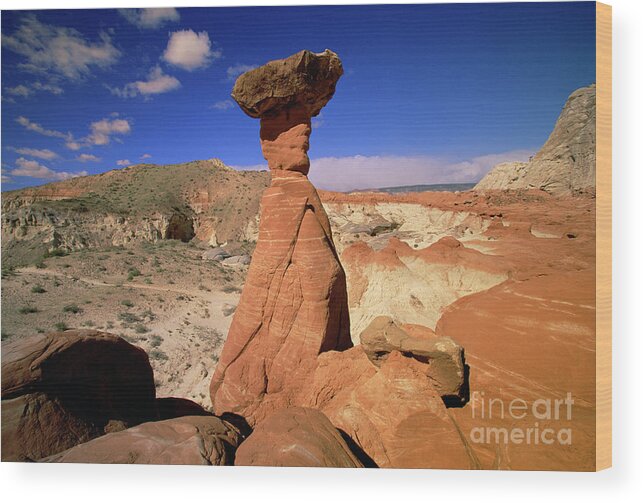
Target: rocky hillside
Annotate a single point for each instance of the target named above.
(205, 200)
(566, 163)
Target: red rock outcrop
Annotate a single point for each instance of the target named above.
(394, 413)
(294, 303)
(190, 440)
(65, 388)
(296, 436)
(444, 358)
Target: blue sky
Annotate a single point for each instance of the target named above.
(431, 93)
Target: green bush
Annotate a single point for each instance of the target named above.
(72, 308)
(27, 309)
(127, 303)
(61, 326)
(37, 289)
(141, 329)
(157, 354)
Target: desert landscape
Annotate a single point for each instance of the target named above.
(197, 314)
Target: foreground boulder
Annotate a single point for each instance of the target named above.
(65, 388)
(294, 303)
(296, 437)
(444, 358)
(190, 440)
(393, 413)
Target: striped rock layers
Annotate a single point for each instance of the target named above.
(294, 303)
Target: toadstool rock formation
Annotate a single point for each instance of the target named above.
(294, 303)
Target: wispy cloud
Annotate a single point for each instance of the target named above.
(234, 71)
(101, 132)
(44, 153)
(58, 51)
(33, 169)
(157, 83)
(190, 50)
(146, 156)
(367, 172)
(223, 105)
(150, 18)
(123, 162)
(87, 158)
(37, 128)
(26, 90)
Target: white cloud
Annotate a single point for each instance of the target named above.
(103, 130)
(123, 162)
(44, 153)
(150, 18)
(223, 105)
(156, 83)
(19, 90)
(50, 88)
(190, 50)
(58, 50)
(37, 128)
(146, 156)
(73, 145)
(368, 172)
(87, 158)
(34, 169)
(236, 70)
(26, 90)
(364, 172)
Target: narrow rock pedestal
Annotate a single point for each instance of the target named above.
(294, 303)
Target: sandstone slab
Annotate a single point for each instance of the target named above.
(189, 440)
(296, 436)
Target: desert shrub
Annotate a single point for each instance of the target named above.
(157, 354)
(148, 281)
(72, 308)
(57, 252)
(27, 309)
(127, 303)
(37, 289)
(89, 323)
(155, 341)
(231, 289)
(133, 272)
(141, 329)
(149, 314)
(129, 317)
(8, 271)
(61, 326)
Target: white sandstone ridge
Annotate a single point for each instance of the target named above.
(417, 225)
(413, 285)
(566, 163)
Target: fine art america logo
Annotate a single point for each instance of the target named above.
(527, 418)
